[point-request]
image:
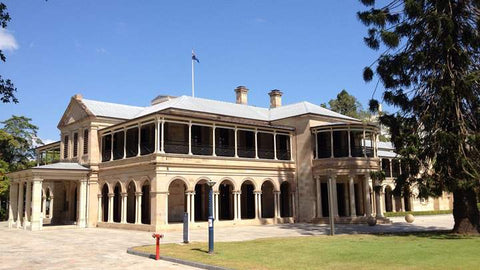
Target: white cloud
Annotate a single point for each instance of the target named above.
(101, 50)
(7, 41)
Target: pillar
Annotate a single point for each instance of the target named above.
(138, 206)
(379, 195)
(123, 207)
(110, 207)
(351, 189)
(334, 195)
(192, 205)
(189, 212)
(20, 205)
(255, 194)
(216, 194)
(44, 205)
(319, 197)
(12, 204)
(28, 203)
(239, 205)
(292, 194)
(99, 210)
(259, 204)
(36, 194)
(366, 191)
(190, 138)
(82, 204)
(50, 213)
(235, 205)
(394, 208)
(276, 204)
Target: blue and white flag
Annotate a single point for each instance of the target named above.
(194, 57)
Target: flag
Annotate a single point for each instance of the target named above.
(194, 57)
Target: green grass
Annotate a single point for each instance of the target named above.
(413, 251)
(478, 205)
(417, 213)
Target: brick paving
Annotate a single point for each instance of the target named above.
(98, 248)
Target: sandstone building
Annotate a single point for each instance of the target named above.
(143, 167)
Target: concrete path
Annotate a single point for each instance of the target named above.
(97, 248)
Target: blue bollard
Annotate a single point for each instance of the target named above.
(186, 237)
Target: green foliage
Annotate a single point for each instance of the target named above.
(7, 89)
(348, 105)
(417, 213)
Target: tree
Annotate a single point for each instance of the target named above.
(17, 140)
(7, 89)
(430, 72)
(348, 105)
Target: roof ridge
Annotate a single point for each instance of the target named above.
(120, 104)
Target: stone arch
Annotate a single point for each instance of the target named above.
(226, 201)
(216, 188)
(276, 186)
(176, 199)
(180, 178)
(247, 199)
(388, 198)
(105, 190)
(268, 197)
(117, 202)
(201, 198)
(131, 202)
(145, 201)
(285, 199)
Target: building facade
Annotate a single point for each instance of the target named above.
(143, 168)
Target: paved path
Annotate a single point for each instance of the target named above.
(98, 248)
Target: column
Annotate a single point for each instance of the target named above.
(99, 209)
(274, 145)
(190, 138)
(110, 207)
(162, 142)
(394, 208)
(123, 208)
(335, 195)
(331, 143)
(82, 204)
(319, 197)
(256, 144)
(293, 204)
(44, 205)
(20, 205)
(189, 212)
(124, 143)
(213, 140)
(255, 194)
(28, 203)
(276, 204)
(259, 204)
(139, 139)
(192, 204)
(349, 143)
(156, 140)
(239, 204)
(12, 204)
(36, 194)
(138, 206)
(50, 213)
(366, 201)
(216, 205)
(236, 142)
(378, 199)
(316, 144)
(351, 189)
(235, 205)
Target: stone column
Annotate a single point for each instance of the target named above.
(190, 138)
(138, 206)
(192, 204)
(189, 212)
(12, 204)
(379, 194)
(259, 204)
(293, 204)
(50, 213)
(44, 205)
(110, 207)
(100, 209)
(366, 190)
(255, 194)
(276, 204)
(239, 204)
(351, 188)
(82, 204)
(394, 208)
(28, 204)
(20, 205)
(36, 194)
(235, 205)
(216, 194)
(334, 195)
(123, 214)
(319, 197)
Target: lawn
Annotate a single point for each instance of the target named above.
(414, 251)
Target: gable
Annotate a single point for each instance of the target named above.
(74, 113)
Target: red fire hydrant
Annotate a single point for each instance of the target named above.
(157, 236)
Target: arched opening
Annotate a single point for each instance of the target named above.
(226, 200)
(117, 203)
(388, 199)
(131, 202)
(48, 202)
(267, 200)
(285, 201)
(176, 201)
(146, 203)
(105, 203)
(201, 201)
(247, 200)
(75, 205)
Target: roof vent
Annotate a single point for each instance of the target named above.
(161, 98)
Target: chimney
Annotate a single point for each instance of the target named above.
(275, 98)
(78, 97)
(241, 93)
(160, 99)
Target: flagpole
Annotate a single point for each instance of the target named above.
(193, 77)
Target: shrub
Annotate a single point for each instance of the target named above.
(418, 213)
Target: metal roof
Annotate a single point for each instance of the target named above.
(63, 166)
(386, 154)
(114, 110)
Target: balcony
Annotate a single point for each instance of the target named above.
(187, 138)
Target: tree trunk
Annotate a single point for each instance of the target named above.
(465, 212)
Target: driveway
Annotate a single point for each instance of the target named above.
(99, 248)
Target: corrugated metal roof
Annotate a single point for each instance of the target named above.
(386, 154)
(62, 166)
(114, 110)
(385, 145)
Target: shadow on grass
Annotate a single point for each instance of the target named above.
(201, 250)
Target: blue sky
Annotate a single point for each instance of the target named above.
(130, 51)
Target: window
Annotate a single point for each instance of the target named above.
(118, 143)
(75, 144)
(147, 139)
(265, 145)
(246, 143)
(176, 138)
(85, 141)
(132, 142)
(340, 143)
(224, 142)
(386, 167)
(356, 139)
(106, 148)
(283, 147)
(65, 147)
(202, 140)
(324, 142)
